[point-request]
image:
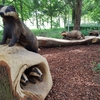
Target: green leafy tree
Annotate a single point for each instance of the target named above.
(49, 10)
(52, 8)
(95, 12)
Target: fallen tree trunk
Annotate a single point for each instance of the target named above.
(13, 62)
(53, 42)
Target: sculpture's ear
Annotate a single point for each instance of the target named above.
(1, 6)
(13, 8)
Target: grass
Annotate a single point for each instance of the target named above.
(54, 33)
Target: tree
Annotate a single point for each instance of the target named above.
(3, 1)
(52, 9)
(49, 10)
(94, 13)
(77, 19)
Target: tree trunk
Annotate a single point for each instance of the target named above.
(37, 24)
(51, 21)
(21, 7)
(53, 42)
(3, 1)
(77, 15)
(65, 17)
(73, 15)
(13, 62)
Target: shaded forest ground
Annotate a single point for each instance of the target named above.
(72, 72)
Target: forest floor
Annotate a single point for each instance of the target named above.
(73, 74)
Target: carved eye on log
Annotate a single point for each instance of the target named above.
(17, 64)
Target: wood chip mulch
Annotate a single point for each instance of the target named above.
(73, 74)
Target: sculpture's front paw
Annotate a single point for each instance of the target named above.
(11, 44)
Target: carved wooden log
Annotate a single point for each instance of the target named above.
(52, 42)
(13, 62)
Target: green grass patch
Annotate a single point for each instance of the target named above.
(54, 33)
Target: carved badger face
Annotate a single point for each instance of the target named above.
(7, 11)
(94, 33)
(24, 79)
(64, 34)
(35, 74)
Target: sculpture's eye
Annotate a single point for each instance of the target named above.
(9, 9)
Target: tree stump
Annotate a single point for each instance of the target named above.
(13, 62)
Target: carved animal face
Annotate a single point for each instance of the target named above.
(64, 33)
(7, 11)
(24, 79)
(36, 72)
(94, 33)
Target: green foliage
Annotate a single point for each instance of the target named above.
(0, 34)
(85, 32)
(48, 10)
(97, 68)
(95, 12)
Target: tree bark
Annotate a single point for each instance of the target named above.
(37, 23)
(51, 21)
(5, 83)
(3, 1)
(77, 15)
(73, 15)
(21, 7)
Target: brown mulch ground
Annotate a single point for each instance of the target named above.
(72, 72)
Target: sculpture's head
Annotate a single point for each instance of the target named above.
(7, 11)
(64, 33)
